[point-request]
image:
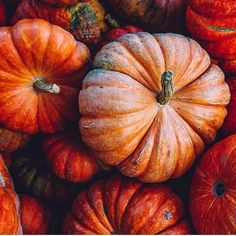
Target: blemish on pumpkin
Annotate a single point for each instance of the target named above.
(222, 29)
(168, 215)
(2, 181)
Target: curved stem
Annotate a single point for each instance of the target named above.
(167, 87)
(41, 85)
(111, 21)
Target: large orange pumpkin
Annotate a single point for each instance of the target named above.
(213, 24)
(9, 204)
(69, 158)
(151, 103)
(40, 76)
(125, 206)
(85, 20)
(213, 190)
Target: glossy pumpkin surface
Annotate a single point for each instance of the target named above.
(213, 24)
(85, 20)
(125, 206)
(69, 158)
(35, 217)
(213, 196)
(9, 204)
(151, 103)
(40, 76)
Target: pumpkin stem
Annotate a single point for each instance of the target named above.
(41, 85)
(167, 87)
(219, 189)
(111, 21)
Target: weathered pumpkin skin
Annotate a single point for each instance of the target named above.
(69, 158)
(119, 205)
(31, 176)
(40, 76)
(213, 24)
(9, 204)
(59, 3)
(10, 141)
(35, 217)
(85, 20)
(125, 124)
(153, 15)
(209, 199)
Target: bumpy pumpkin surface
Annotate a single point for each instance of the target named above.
(153, 15)
(213, 24)
(11, 140)
(40, 76)
(9, 204)
(69, 158)
(125, 206)
(151, 103)
(85, 20)
(35, 217)
(213, 196)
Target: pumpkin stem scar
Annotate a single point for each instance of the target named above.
(2, 181)
(111, 22)
(219, 189)
(41, 85)
(167, 87)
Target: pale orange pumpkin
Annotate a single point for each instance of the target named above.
(151, 103)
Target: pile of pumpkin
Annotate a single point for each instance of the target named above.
(105, 107)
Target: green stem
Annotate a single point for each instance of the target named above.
(41, 85)
(111, 22)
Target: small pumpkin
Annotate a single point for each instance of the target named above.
(59, 3)
(35, 217)
(119, 205)
(213, 196)
(9, 204)
(85, 20)
(151, 103)
(40, 76)
(2, 14)
(213, 23)
(69, 158)
(153, 15)
(10, 141)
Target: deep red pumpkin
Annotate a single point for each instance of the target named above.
(2, 14)
(213, 24)
(35, 217)
(213, 195)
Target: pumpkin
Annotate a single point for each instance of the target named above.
(69, 158)
(152, 15)
(35, 217)
(213, 196)
(10, 141)
(85, 20)
(31, 176)
(151, 103)
(9, 204)
(213, 23)
(119, 205)
(229, 125)
(40, 76)
(60, 2)
(2, 14)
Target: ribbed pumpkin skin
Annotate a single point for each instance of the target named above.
(122, 119)
(59, 3)
(69, 158)
(153, 15)
(35, 217)
(229, 125)
(213, 24)
(85, 20)
(34, 51)
(9, 204)
(125, 206)
(2, 14)
(10, 141)
(218, 165)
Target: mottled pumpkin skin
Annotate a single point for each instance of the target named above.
(31, 176)
(85, 20)
(123, 120)
(2, 14)
(69, 158)
(153, 15)
(213, 196)
(118, 205)
(35, 217)
(40, 76)
(9, 204)
(60, 3)
(10, 141)
(213, 24)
